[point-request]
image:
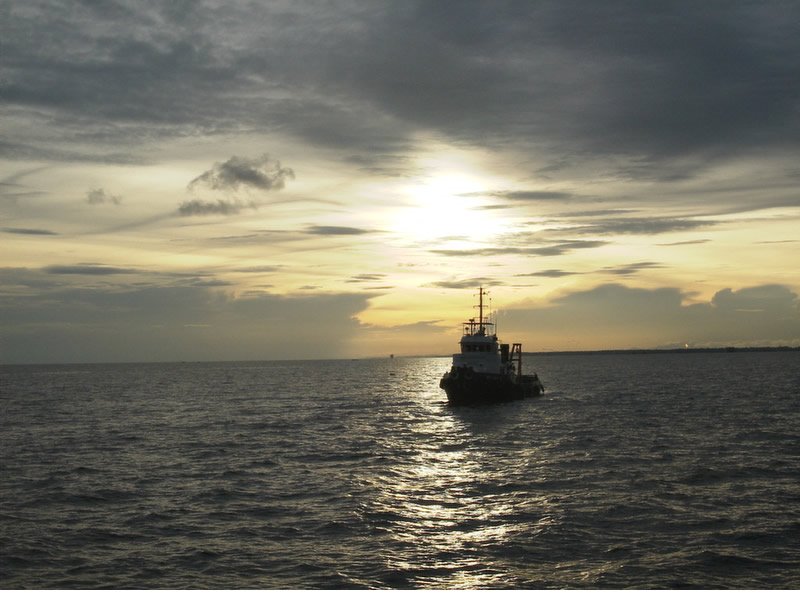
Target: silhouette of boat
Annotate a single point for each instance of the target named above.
(486, 371)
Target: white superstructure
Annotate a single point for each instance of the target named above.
(480, 349)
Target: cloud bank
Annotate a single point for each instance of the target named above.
(168, 321)
(617, 316)
(191, 318)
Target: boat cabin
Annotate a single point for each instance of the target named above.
(479, 348)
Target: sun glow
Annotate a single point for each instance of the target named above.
(443, 208)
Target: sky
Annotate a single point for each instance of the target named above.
(284, 180)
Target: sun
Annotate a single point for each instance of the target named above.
(446, 207)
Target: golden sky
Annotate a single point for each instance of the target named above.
(223, 181)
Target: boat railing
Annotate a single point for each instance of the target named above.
(515, 356)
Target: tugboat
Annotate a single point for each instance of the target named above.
(485, 371)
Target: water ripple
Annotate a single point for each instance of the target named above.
(356, 474)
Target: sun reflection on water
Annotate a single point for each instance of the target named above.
(452, 509)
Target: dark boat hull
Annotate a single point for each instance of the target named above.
(464, 386)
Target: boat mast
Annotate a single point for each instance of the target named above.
(473, 328)
(481, 322)
(480, 310)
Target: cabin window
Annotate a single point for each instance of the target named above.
(476, 347)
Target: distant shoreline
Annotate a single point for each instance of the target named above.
(675, 350)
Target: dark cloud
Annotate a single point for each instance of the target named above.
(260, 173)
(613, 79)
(657, 91)
(25, 231)
(100, 196)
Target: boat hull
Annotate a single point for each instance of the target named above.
(464, 386)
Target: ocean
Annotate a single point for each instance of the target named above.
(643, 471)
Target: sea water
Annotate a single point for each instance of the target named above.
(632, 471)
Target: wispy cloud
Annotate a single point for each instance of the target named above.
(460, 284)
(258, 237)
(26, 231)
(146, 277)
(641, 226)
(89, 270)
(523, 195)
(600, 212)
(204, 282)
(335, 230)
(257, 269)
(554, 249)
(367, 278)
(623, 270)
(551, 273)
(687, 242)
(632, 268)
(196, 207)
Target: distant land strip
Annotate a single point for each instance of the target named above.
(674, 350)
